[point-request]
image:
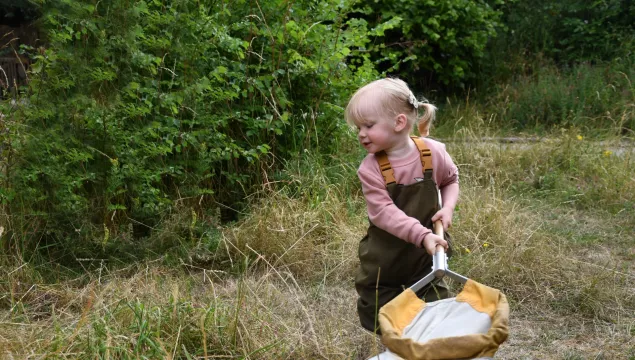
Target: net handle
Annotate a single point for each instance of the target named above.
(438, 230)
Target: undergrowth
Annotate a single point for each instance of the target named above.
(278, 283)
(598, 99)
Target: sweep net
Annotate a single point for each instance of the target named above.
(470, 326)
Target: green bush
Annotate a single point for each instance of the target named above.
(12, 9)
(135, 109)
(570, 31)
(432, 44)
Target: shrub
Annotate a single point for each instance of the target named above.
(570, 31)
(135, 109)
(432, 43)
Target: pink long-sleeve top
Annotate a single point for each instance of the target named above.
(382, 212)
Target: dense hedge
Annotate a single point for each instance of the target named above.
(571, 31)
(137, 107)
(437, 45)
(450, 45)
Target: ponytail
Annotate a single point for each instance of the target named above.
(426, 119)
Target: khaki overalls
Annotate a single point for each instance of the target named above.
(388, 264)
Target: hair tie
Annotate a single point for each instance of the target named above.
(413, 100)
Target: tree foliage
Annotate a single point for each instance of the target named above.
(135, 108)
(571, 31)
(12, 9)
(433, 43)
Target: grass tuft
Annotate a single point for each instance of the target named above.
(547, 222)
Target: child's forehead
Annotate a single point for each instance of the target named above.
(368, 116)
(369, 106)
(372, 97)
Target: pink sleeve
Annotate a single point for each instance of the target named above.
(445, 171)
(383, 213)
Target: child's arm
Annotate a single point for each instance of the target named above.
(450, 195)
(384, 214)
(446, 175)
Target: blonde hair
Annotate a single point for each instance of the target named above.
(395, 97)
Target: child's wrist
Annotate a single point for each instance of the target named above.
(428, 237)
(423, 240)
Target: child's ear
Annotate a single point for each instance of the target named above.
(401, 122)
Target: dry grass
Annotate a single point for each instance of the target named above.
(280, 285)
(159, 312)
(307, 242)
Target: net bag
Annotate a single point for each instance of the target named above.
(470, 326)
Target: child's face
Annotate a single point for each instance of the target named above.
(377, 133)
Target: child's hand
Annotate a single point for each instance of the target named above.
(445, 215)
(431, 241)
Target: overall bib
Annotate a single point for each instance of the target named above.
(388, 264)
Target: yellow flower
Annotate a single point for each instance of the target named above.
(485, 244)
(467, 250)
(608, 153)
(579, 137)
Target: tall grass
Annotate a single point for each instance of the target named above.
(597, 98)
(548, 221)
(279, 282)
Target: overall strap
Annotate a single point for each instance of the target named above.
(386, 169)
(424, 153)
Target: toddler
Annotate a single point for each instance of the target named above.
(400, 177)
